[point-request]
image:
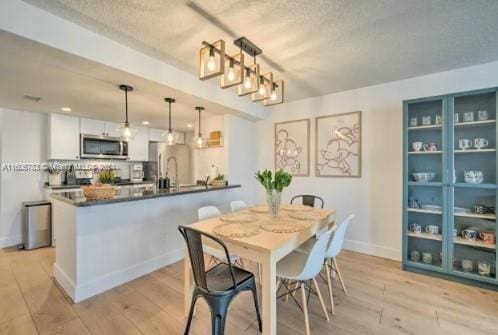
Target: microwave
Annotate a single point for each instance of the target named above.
(95, 146)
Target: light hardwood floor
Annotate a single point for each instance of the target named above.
(381, 299)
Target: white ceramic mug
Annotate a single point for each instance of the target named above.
(480, 143)
(464, 143)
(417, 146)
(432, 229)
(473, 177)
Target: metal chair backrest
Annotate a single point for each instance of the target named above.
(335, 246)
(316, 256)
(308, 200)
(208, 212)
(193, 239)
(238, 205)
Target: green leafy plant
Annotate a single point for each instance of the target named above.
(282, 180)
(220, 177)
(107, 176)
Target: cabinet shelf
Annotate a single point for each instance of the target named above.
(421, 210)
(484, 186)
(477, 216)
(478, 243)
(431, 183)
(426, 236)
(432, 126)
(475, 123)
(425, 152)
(473, 151)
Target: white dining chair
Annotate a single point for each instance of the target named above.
(237, 205)
(301, 269)
(330, 262)
(209, 212)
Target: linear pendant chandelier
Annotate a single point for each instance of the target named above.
(234, 72)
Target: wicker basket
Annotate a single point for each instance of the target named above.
(99, 192)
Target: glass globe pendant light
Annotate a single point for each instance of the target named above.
(199, 141)
(170, 136)
(126, 132)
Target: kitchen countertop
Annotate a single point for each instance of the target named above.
(76, 198)
(122, 183)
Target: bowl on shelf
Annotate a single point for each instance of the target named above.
(423, 177)
(473, 177)
(461, 210)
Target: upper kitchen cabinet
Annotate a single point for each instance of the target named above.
(156, 135)
(138, 149)
(64, 139)
(98, 127)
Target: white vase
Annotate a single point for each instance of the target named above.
(55, 179)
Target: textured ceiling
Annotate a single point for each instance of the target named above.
(322, 46)
(88, 88)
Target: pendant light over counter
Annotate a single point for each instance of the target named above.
(199, 141)
(247, 78)
(126, 132)
(171, 136)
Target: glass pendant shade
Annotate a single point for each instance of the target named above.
(265, 87)
(199, 141)
(212, 60)
(250, 83)
(126, 132)
(276, 94)
(170, 137)
(233, 72)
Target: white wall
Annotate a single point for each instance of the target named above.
(205, 158)
(376, 198)
(23, 140)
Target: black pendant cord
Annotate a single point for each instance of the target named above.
(169, 118)
(126, 89)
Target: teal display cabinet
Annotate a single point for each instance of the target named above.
(450, 187)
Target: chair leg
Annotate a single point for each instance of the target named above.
(190, 314)
(329, 284)
(322, 303)
(305, 310)
(340, 276)
(219, 309)
(256, 305)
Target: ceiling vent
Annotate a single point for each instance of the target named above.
(32, 98)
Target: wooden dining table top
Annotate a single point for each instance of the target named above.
(266, 241)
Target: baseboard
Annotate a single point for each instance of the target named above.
(84, 291)
(373, 249)
(10, 241)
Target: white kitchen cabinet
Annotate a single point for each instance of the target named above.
(98, 127)
(92, 127)
(64, 137)
(112, 129)
(138, 149)
(155, 135)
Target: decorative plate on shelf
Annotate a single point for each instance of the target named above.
(238, 218)
(281, 226)
(307, 216)
(236, 230)
(296, 208)
(261, 209)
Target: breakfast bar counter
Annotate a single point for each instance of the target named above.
(101, 244)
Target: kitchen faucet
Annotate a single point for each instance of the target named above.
(177, 184)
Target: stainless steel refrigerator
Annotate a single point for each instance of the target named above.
(162, 159)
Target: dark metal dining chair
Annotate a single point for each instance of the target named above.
(308, 200)
(218, 285)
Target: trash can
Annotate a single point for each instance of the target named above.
(36, 224)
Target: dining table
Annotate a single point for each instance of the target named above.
(266, 246)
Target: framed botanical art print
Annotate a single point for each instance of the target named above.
(292, 147)
(338, 145)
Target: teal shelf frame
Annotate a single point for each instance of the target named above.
(447, 187)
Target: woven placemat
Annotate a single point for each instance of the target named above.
(296, 208)
(259, 209)
(236, 230)
(307, 216)
(239, 218)
(281, 226)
